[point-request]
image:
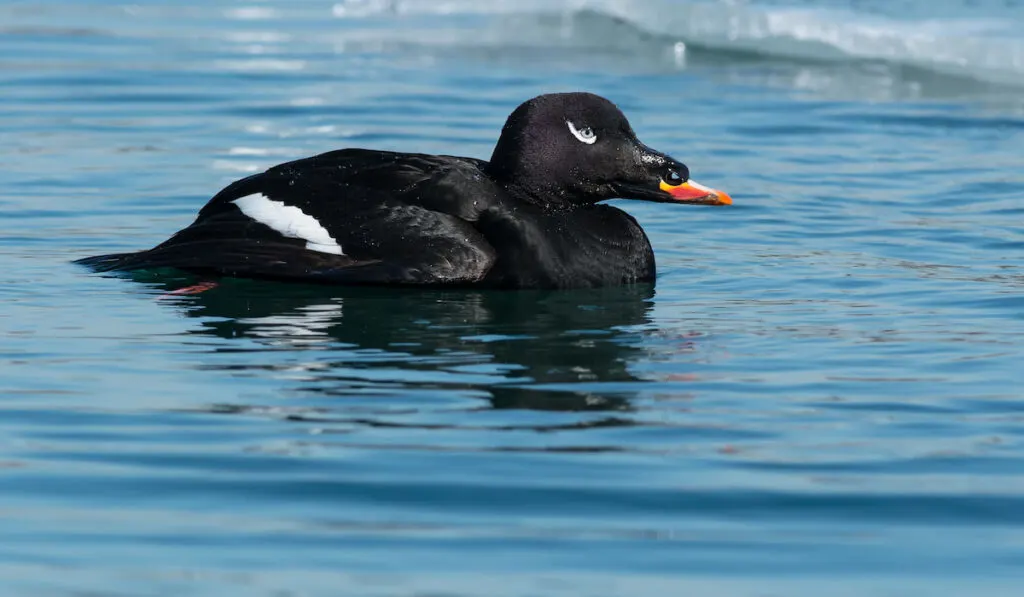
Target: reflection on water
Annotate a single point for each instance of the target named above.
(514, 345)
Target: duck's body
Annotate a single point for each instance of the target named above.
(529, 218)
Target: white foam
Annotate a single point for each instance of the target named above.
(290, 221)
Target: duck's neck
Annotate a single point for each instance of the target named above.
(522, 173)
(522, 187)
(546, 199)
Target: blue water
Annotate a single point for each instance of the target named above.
(822, 395)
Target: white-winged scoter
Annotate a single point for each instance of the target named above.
(528, 218)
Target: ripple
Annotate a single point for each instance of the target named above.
(822, 382)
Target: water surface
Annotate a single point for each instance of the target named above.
(820, 395)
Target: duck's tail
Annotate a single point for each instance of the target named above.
(114, 262)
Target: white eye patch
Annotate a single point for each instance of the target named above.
(583, 135)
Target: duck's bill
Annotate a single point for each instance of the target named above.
(695, 193)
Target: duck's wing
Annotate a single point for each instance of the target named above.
(349, 216)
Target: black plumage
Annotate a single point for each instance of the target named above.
(528, 218)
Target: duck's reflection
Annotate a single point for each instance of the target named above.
(566, 350)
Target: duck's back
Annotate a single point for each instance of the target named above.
(349, 216)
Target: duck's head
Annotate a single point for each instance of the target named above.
(564, 149)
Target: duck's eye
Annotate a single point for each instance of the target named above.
(583, 134)
(674, 178)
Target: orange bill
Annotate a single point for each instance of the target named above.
(693, 192)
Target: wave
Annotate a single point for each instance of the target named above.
(988, 49)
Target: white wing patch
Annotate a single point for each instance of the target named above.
(290, 221)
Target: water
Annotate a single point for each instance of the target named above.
(821, 395)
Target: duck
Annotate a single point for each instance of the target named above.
(531, 217)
